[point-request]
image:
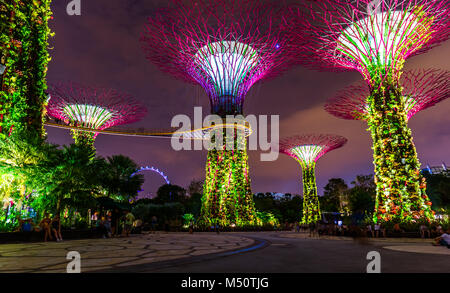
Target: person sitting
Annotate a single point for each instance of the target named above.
(444, 239)
(28, 226)
(56, 228)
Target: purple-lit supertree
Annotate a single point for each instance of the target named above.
(91, 108)
(375, 38)
(307, 150)
(422, 89)
(226, 47)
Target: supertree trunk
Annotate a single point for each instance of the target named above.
(24, 57)
(227, 197)
(400, 187)
(84, 138)
(311, 206)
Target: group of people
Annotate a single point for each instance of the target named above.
(321, 228)
(115, 223)
(111, 224)
(376, 230)
(430, 232)
(50, 227)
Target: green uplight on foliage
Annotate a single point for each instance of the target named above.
(227, 197)
(24, 34)
(401, 189)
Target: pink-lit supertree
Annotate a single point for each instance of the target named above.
(307, 150)
(226, 47)
(91, 108)
(422, 89)
(375, 38)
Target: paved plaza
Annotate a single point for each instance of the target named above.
(104, 254)
(416, 245)
(250, 252)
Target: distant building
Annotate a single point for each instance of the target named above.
(442, 169)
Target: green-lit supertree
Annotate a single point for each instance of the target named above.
(376, 38)
(91, 108)
(421, 89)
(226, 47)
(24, 34)
(307, 149)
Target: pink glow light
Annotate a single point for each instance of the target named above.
(373, 37)
(92, 108)
(225, 46)
(422, 88)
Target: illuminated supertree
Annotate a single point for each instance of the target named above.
(226, 47)
(375, 38)
(422, 89)
(91, 108)
(307, 150)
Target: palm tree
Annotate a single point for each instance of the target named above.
(118, 180)
(70, 176)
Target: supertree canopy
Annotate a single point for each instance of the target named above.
(91, 108)
(226, 47)
(422, 89)
(375, 38)
(307, 150)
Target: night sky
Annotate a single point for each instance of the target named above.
(101, 48)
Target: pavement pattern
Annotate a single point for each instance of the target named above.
(291, 252)
(115, 253)
(415, 245)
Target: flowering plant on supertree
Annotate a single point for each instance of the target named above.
(375, 38)
(422, 89)
(307, 150)
(92, 108)
(225, 47)
(24, 57)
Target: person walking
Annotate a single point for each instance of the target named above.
(154, 223)
(108, 224)
(369, 230)
(129, 220)
(191, 226)
(115, 222)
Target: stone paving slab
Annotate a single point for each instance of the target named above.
(420, 249)
(107, 254)
(302, 235)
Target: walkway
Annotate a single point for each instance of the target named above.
(116, 253)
